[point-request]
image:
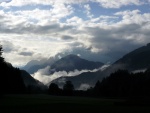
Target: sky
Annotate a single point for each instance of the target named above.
(97, 30)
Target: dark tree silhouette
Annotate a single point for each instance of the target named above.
(54, 89)
(116, 85)
(10, 78)
(68, 88)
(97, 88)
(1, 58)
(124, 84)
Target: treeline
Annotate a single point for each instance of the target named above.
(10, 78)
(124, 84)
(120, 84)
(67, 90)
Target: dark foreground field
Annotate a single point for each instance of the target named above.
(54, 104)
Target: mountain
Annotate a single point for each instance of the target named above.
(138, 59)
(73, 62)
(68, 63)
(32, 84)
(34, 65)
(84, 79)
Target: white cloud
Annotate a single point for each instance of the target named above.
(134, 16)
(132, 28)
(45, 77)
(118, 4)
(24, 2)
(39, 48)
(88, 9)
(42, 2)
(103, 3)
(84, 87)
(139, 71)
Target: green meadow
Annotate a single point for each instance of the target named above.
(62, 104)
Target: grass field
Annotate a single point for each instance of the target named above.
(57, 104)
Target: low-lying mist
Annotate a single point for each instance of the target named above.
(44, 75)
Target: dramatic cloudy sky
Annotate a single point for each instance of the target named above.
(99, 30)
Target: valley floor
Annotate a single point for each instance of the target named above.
(57, 104)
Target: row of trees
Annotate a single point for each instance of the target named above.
(124, 84)
(120, 84)
(67, 90)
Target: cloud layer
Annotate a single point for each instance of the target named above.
(103, 3)
(38, 29)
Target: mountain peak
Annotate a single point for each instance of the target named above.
(72, 62)
(72, 56)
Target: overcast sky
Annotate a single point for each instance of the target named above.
(98, 30)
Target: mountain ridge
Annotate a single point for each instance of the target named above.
(72, 62)
(137, 59)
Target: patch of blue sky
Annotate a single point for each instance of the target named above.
(33, 20)
(142, 8)
(1, 8)
(79, 11)
(97, 10)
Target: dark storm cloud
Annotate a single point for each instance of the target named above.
(114, 42)
(22, 28)
(26, 53)
(53, 28)
(66, 37)
(9, 26)
(117, 41)
(8, 46)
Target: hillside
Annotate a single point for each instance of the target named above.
(32, 84)
(137, 59)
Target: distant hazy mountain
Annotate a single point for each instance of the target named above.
(34, 65)
(67, 63)
(72, 62)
